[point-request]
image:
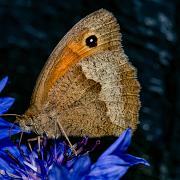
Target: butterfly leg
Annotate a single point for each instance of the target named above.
(38, 139)
(21, 138)
(65, 135)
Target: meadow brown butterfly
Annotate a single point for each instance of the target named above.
(87, 85)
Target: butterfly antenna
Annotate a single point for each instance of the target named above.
(21, 138)
(16, 115)
(65, 135)
(55, 139)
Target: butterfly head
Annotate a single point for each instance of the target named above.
(26, 123)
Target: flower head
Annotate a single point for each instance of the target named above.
(20, 162)
(59, 162)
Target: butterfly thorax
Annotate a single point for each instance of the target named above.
(38, 121)
(28, 121)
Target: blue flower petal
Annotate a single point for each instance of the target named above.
(113, 167)
(120, 145)
(58, 152)
(4, 164)
(5, 142)
(4, 124)
(58, 172)
(5, 104)
(8, 129)
(12, 159)
(14, 151)
(133, 160)
(43, 169)
(3, 83)
(114, 162)
(70, 163)
(7, 133)
(110, 168)
(81, 167)
(24, 149)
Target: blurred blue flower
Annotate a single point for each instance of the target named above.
(58, 161)
(6, 128)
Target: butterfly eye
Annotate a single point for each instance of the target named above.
(91, 41)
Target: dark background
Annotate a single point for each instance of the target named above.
(30, 29)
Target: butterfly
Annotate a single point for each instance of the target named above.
(87, 85)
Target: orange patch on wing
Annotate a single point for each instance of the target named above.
(68, 58)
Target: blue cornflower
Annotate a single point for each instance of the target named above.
(20, 162)
(58, 161)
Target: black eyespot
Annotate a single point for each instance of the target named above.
(91, 41)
